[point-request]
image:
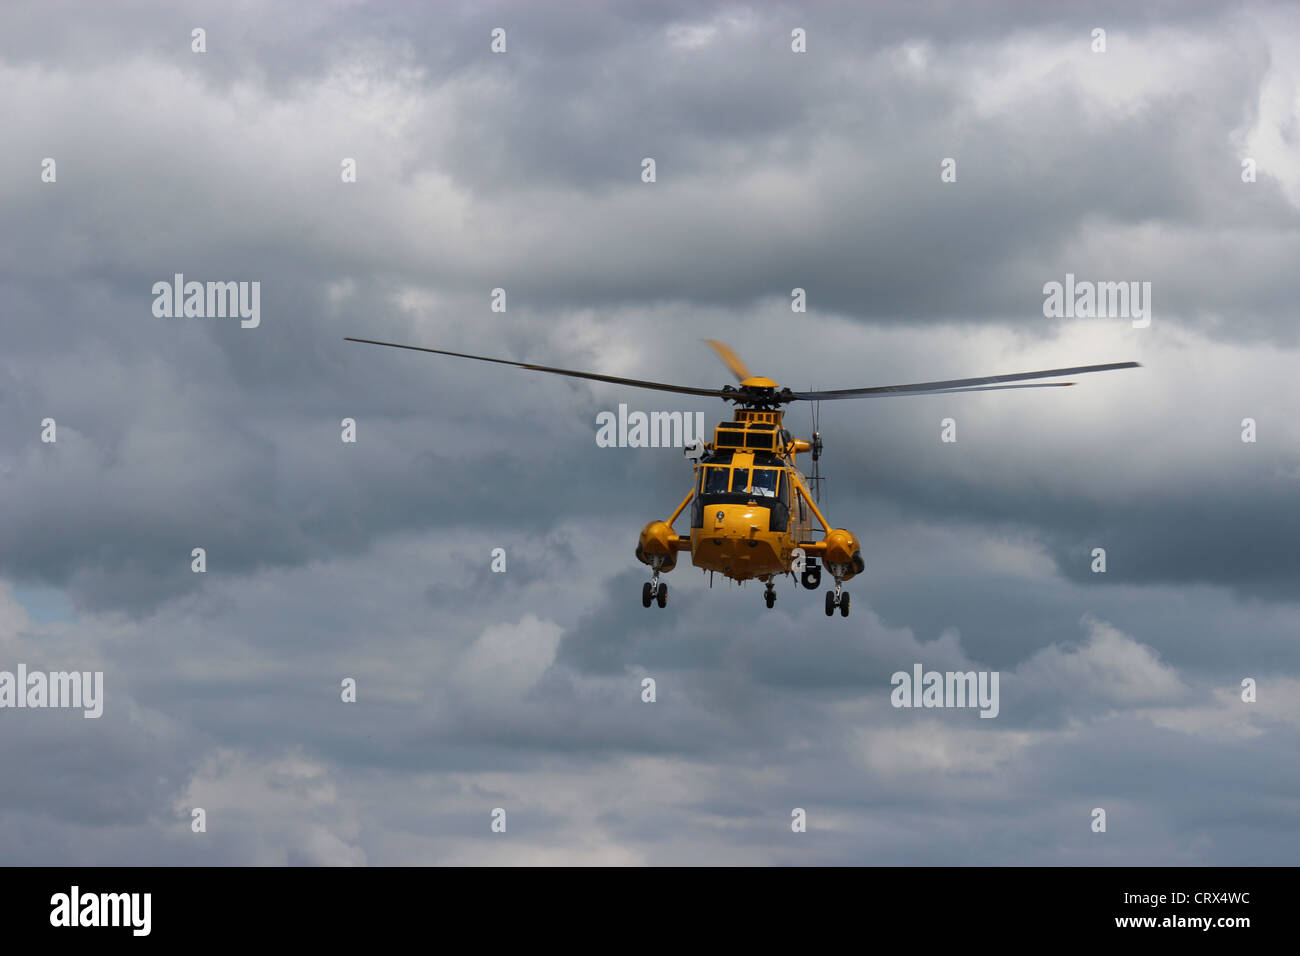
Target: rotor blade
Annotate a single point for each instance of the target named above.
(636, 383)
(959, 383)
(729, 359)
(954, 391)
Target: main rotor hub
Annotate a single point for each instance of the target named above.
(757, 392)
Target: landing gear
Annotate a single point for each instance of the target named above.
(839, 598)
(812, 576)
(653, 592)
(769, 595)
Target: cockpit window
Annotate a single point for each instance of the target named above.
(740, 480)
(765, 481)
(715, 480)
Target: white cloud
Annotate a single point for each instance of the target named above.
(507, 659)
(281, 811)
(1109, 666)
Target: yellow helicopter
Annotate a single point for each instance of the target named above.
(752, 514)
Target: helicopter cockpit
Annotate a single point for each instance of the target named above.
(729, 476)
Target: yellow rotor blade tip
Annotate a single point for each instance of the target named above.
(729, 359)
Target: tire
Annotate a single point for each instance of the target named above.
(830, 603)
(662, 596)
(811, 578)
(645, 594)
(844, 604)
(770, 599)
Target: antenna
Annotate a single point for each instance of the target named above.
(816, 479)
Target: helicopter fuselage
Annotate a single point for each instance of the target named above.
(751, 513)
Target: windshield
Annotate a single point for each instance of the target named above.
(765, 481)
(715, 480)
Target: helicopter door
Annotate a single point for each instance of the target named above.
(780, 513)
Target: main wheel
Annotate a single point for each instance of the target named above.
(844, 604)
(770, 598)
(645, 594)
(662, 596)
(830, 603)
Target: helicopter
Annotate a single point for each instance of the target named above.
(752, 513)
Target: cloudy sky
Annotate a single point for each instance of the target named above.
(522, 690)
